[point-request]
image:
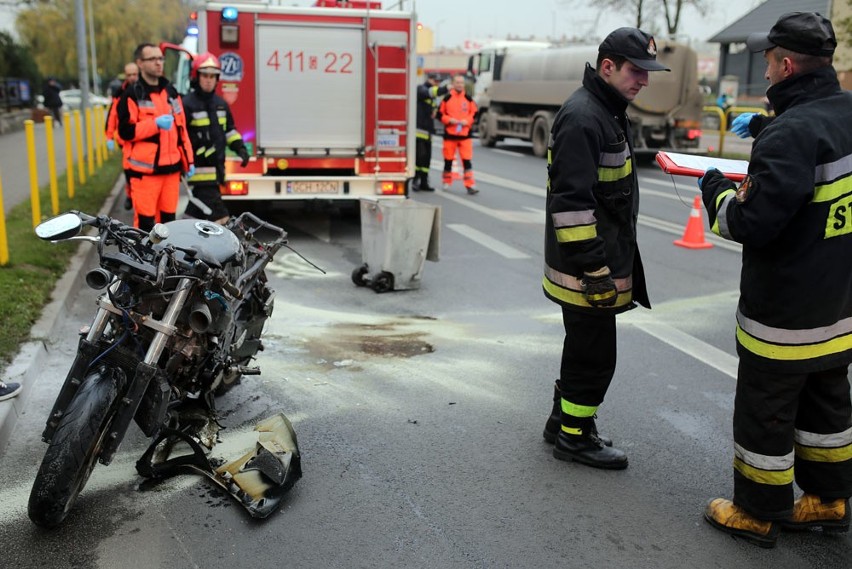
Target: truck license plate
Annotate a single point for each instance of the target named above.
(311, 187)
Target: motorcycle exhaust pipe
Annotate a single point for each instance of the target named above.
(98, 278)
(200, 318)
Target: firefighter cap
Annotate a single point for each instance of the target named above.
(636, 46)
(802, 32)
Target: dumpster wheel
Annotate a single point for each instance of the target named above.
(358, 275)
(383, 282)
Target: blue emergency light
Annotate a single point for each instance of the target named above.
(229, 14)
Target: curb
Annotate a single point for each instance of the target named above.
(26, 367)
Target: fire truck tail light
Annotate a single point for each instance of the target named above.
(236, 188)
(391, 188)
(693, 134)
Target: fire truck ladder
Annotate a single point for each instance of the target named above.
(385, 52)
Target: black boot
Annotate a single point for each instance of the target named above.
(424, 183)
(588, 448)
(554, 422)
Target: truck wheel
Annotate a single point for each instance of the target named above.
(540, 137)
(358, 275)
(383, 282)
(485, 137)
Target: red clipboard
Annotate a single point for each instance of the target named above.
(696, 166)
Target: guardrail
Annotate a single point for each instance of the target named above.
(724, 115)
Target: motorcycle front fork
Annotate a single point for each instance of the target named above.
(145, 370)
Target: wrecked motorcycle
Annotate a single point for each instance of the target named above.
(179, 322)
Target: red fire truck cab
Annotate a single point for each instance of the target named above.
(324, 96)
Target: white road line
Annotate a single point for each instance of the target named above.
(689, 345)
(508, 152)
(487, 241)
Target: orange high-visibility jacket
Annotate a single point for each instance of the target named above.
(457, 106)
(151, 149)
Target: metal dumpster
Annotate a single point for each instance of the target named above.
(397, 236)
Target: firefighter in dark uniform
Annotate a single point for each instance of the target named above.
(427, 95)
(793, 216)
(211, 130)
(592, 264)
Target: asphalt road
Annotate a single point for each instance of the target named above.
(419, 413)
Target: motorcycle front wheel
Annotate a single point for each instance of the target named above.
(74, 448)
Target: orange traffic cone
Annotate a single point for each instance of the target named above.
(693, 237)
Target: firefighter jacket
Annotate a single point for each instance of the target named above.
(211, 130)
(592, 199)
(793, 216)
(427, 107)
(153, 150)
(457, 106)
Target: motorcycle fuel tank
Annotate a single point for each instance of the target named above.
(211, 240)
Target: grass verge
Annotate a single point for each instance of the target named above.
(27, 281)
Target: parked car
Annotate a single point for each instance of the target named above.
(71, 99)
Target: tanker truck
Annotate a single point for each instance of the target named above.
(519, 92)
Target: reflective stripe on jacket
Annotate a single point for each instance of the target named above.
(793, 216)
(592, 199)
(153, 150)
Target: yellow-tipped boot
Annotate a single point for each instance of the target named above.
(810, 511)
(726, 516)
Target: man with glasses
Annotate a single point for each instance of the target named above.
(152, 122)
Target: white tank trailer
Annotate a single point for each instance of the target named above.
(527, 88)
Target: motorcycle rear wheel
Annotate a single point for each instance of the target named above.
(74, 449)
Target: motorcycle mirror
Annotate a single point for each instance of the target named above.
(60, 227)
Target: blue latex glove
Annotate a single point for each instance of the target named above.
(191, 171)
(739, 125)
(164, 121)
(110, 145)
(701, 179)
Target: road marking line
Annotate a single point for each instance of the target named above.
(487, 241)
(689, 345)
(508, 152)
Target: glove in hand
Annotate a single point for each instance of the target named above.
(599, 288)
(191, 172)
(110, 145)
(701, 179)
(164, 121)
(739, 125)
(243, 153)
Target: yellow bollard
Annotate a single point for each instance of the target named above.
(69, 154)
(31, 153)
(4, 240)
(90, 156)
(79, 135)
(99, 136)
(51, 164)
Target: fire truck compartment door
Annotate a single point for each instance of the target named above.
(310, 87)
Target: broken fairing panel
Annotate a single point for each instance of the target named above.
(258, 479)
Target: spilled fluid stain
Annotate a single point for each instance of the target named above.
(346, 343)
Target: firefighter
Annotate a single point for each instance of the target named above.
(211, 129)
(131, 74)
(457, 111)
(592, 264)
(427, 93)
(152, 123)
(792, 409)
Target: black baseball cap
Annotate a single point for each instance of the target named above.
(803, 32)
(639, 48)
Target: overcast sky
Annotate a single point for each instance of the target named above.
(457, 21)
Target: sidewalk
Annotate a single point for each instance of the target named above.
(27, 365)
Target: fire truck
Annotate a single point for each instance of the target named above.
(324, 96)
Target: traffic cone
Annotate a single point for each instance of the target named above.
(693, 236)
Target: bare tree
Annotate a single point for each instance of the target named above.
(645, 13)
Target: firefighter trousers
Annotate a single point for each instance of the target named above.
(588, 364)
(788, 427)
(423, 156)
